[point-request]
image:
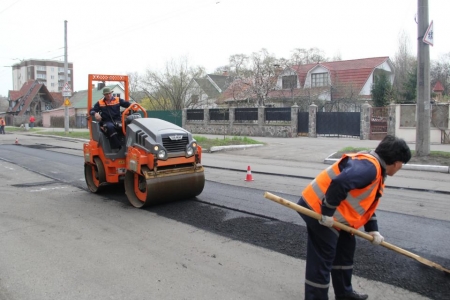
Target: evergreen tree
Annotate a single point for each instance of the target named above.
(381, 90)
(410, 87)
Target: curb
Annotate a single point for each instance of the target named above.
(428, 168)
(233, 147)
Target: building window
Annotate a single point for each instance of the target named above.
(41, 76)
(52, 84)
(116, 95)
(289, 82)
(40, 68)
(319, 79)
(52, 69)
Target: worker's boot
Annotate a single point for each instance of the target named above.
(353, 296)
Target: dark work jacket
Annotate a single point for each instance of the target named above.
(109, 112)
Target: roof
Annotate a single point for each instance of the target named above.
(207, 87)
(438, 87)
(222, 81)
(26, 94)
(356, 71)
(214, 85)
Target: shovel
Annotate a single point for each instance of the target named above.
(354, 231)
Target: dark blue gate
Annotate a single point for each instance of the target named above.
(303, 122)
(339, 124)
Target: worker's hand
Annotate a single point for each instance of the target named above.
(327, 221)
(97, 116)
(377, 237)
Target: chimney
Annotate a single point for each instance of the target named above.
(100, 85)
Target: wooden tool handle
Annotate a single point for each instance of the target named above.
(351, 230)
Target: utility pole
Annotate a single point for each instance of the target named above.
(423, 83)
(66, 81)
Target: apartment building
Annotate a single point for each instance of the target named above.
(48, 72)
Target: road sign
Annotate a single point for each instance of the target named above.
(66, 87)
(66, 102)
(428, 37)
(66, 91)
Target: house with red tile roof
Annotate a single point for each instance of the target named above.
(345, 80)
(32, 99)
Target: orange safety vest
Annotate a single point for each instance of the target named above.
(2, 122)
(114, 101)
(359, 205)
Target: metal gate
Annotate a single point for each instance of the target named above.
(339, 124)
(378, 122)
(303, 123)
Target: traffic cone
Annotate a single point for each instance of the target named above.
(17, 141)
(249, 174)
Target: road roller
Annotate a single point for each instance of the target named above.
(158, 161)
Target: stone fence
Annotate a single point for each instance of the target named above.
(401, 122)
(261, 127)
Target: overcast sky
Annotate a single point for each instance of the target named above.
(117, 37)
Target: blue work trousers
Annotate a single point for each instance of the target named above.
(111, 132)
(328, 251)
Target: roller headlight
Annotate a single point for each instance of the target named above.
(161, 154)
(189, 151)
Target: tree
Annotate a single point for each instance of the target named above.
(405, 64)
(301, 56)
(254, 76)
(167, 89)
(381, 90)
(238, 65)
(263, 70)
(440, 71)
(134, 81)
(409, 93)
(3, 104)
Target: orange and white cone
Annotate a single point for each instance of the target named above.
(17, 141)
(249, 174)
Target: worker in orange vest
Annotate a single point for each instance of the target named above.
(2, 126)
(348, 192)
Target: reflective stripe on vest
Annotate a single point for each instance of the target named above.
(114, 101)
(359, 205)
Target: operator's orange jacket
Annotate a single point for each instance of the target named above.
(359, 205)
(2, 122)
(113, 101)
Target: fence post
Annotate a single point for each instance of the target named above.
(312, 130)
(205, 117)
(294, 120)
(184, 117)
(365, 121)
(261, 119)
(231, 120)
(392, 120)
